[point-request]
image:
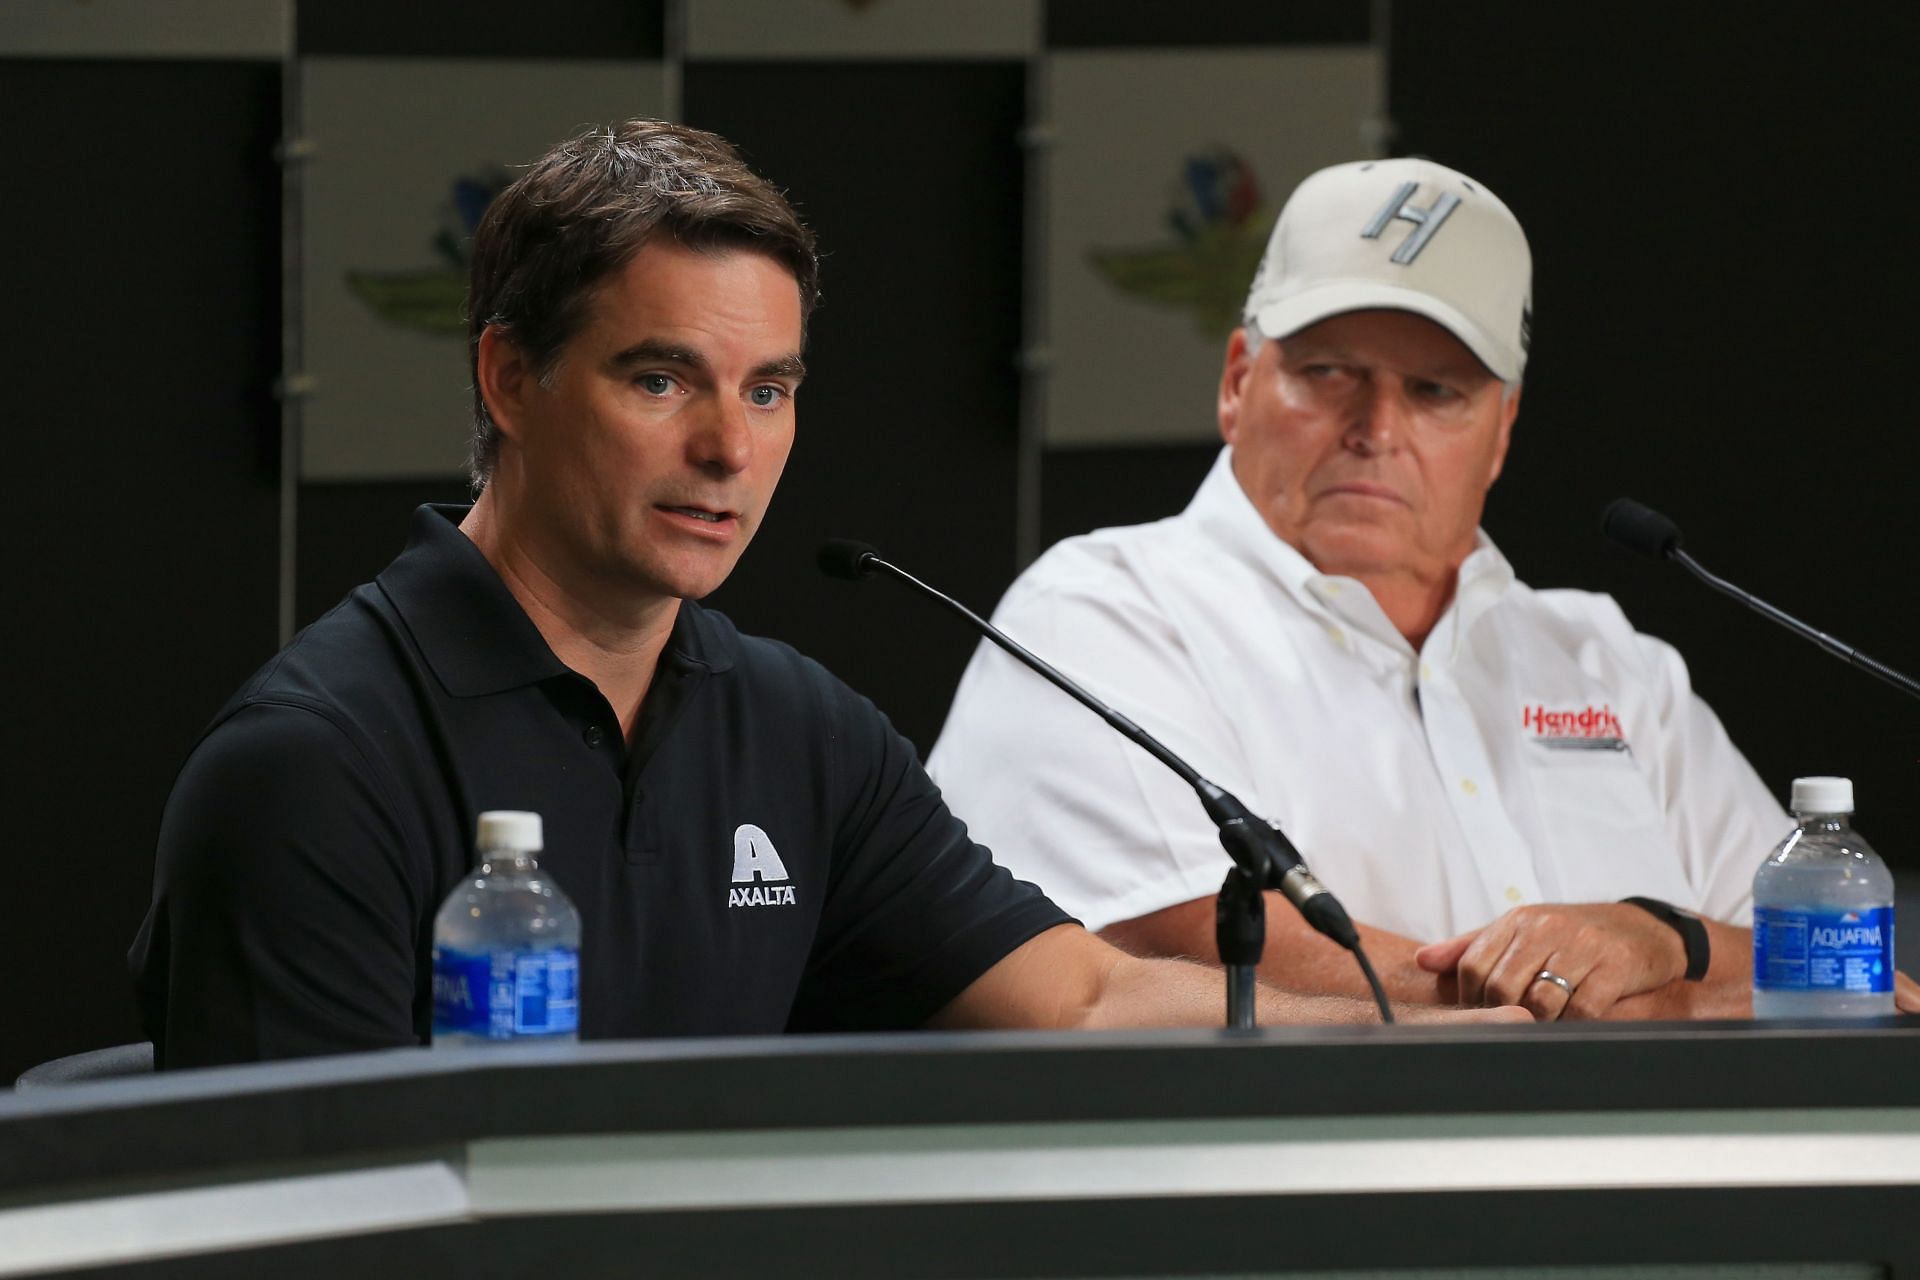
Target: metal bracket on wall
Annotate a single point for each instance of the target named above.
(289, 151)
(1037, 137)
(295, 386)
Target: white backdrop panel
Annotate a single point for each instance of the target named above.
(1166, 172)
(145, 28)
(408, 152)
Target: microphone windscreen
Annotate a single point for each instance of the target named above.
(845, 558)
(1639, 528)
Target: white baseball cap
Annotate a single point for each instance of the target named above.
(1409, 235)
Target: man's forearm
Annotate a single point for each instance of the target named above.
(1065, 978)
(1296, 958)
(1725, 992)
(1159, 993)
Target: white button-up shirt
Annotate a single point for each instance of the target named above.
(1535, 749)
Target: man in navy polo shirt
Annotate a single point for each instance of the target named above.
(638, 306)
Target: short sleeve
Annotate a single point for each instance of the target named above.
(916, 910)
(1060, 796)
(284, 921)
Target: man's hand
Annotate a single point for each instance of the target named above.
(1605, 951)
(1906, 993)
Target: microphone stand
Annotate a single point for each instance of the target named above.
(1240, 931)
(1263, 857)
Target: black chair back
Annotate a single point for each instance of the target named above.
(94, 1064)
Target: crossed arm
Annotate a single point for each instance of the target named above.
(1067, 978)
(1621, 962)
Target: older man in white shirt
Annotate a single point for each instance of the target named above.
(1483, 772)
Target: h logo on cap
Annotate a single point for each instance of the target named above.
(1400, 205)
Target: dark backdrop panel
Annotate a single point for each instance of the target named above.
(348, 533)
(1158, 24)
(481, 28)
(1086, 489)
(141, 232)
(910, 174)
(1722, 276)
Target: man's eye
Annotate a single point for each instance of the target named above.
(655, 384)
(1437, 392)
(766, 397)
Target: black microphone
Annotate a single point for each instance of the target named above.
(1641, 528)
(1258, 847)
(845, 558)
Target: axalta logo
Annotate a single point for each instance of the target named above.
(757, 866)
(1588, 722)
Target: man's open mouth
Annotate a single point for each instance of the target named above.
(699, 513)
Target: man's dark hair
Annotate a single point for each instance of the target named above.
(580, 213)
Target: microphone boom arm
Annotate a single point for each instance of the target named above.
(1151, 744)
(1263, 856)
(1249, 841)
(1838, 648)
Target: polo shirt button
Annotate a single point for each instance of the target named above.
(594, 736)
(1467, 785)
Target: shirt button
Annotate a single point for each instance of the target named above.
(594, 736)
(1338, 636)
(1426, 672)
(1514, 894)
(1467, 785)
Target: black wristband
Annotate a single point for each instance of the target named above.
(1693, 934)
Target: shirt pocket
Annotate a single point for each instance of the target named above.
(1589, 782)
(1601, 821)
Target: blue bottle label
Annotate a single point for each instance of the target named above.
(1850, 951)
(506, 995)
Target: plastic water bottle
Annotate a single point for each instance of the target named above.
(1822, 915)
(506, 945)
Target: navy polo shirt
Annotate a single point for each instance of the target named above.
(768, 855)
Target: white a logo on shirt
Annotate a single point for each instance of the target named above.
(757, 864)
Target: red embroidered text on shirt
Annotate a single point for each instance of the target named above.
(1591, 722)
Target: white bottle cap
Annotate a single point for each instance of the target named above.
(510, 829)
(1822, 795)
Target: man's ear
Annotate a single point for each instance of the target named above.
(1233, 383)
(1509, 410)
(504, 377)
